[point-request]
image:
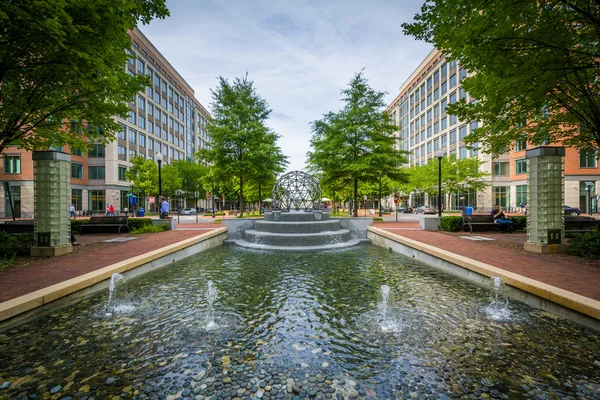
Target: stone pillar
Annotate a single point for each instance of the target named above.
(545, 222)
(52, 197)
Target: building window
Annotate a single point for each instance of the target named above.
(122, 153)
(132, 117)
(452, 80)
(150, 144)
(521, 194)
(76, 170)
(97, 201)
(97, 151)
(444, 123)
(444, 105)
(142, 142)
(77, 198)
(452, 98)
(520, 145)
(121, 133)
(141, 67)
(444, 141)
(429, 84)
(150, 127)
(444, 69)
(500, 196)
(588, 158)
(462, 74)
(462, 152)
(132, 154)
(122, 171)
(453, 136)
(141, 103)
(150, 109)
(462, 132)
(444, 87)
(501, 169)
(76, 153)
(521, 166)
(142, 122)
(462, 93)
(474, 149)
(95, 172)
(12, 164)
(132, 136)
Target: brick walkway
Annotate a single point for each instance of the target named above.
(15, 282)
(557, 272)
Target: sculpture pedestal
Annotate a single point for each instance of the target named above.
(52, 251)
(544, 248)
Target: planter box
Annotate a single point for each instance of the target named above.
(170, 223)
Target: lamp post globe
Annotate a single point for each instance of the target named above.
(439, 154)
(159, 158)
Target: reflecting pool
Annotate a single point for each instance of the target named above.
(359, 323)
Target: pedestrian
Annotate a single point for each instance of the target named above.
(107, 211)
(164, 208)
(111, 210)
(72, 211)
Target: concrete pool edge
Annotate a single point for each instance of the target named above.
(535, 293)
(20, 309)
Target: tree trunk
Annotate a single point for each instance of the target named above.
(242, 197)
(333, 201)
(355, 205)
(259, 199)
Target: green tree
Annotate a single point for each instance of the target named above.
(171, 181)
(269, 162)
(63, 61)
(239, 135)
(536, 62)
(144, 175)
(191, 175)
(357, 143)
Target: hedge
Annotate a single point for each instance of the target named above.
(11, 244)
(586, 245)
(451, 223)
(134, 223)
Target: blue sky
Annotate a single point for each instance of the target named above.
(300, 54)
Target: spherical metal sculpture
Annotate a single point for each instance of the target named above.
(296, 190)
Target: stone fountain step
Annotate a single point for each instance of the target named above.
(297, 239)
(331, 225)
(336, 246)
(296, 216)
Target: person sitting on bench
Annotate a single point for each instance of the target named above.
(500, 218)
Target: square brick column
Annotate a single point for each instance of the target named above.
(52, 197)
(545, 191)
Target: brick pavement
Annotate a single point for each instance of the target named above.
(15, 282)
(558, 272)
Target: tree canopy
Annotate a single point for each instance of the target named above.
(357, 143)
(242, 145)
(535, 66)
(63, 61)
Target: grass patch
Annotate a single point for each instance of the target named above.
(149, 229)
(377, 219)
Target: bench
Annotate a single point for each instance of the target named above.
(577, 224)
(481, 223)
(104, 223)
(17, 227)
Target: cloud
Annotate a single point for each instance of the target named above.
(300, 54)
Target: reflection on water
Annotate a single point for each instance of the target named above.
(295, 325)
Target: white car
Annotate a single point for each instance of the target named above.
(188, 211)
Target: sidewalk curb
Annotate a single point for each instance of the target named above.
(565, 298)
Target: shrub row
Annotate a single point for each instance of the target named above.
(134, 223)
(451, 223)
(11, 244)
(586, 245)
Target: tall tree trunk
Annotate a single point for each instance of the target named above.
(241, 197)
(333, 201)
(355, 205)
(260, 199)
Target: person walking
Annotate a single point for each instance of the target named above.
(72, 211)
(111, 210)
(164, 208)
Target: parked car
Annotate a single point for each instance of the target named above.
(188, 211)
(425, 210)
(571, 210)
(404, 210)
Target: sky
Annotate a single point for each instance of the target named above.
(300, 54)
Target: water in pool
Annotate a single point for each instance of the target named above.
(360, 323)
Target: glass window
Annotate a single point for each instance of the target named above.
(500, 196)
(95, 172)
(444, 87)
(97, 201)
(121, 173)
(452, 64)
(444, 105)
(436, 111)
(141, 67)
(141, 103)
(150, 109)
(444, 140)
(462, 74)
(474, 125)
(132, 136)
(77, 198)
(150, 144)
(164, 86)
(452, 98)
(122, 153)
(436, 128)
(444, 123)
(429, 84)
(132, 154)
(121, 133)
(97, 151)
(588, 158)
(429, 115)
(132, 117)
(142, 122)
(474, 150)
(12, 164)
(521, 194)
(500, 169)
(428, 100)
(436, 144)
(142, 142)
(436, 77)
(444, 69)
(462, 152)
(150, 127)
(452, 80)
(436, 94)
(428, 147)
(76, 152)
(453, 136)
(521, 166)
(520, 145)
(462, 132)
(462, 93)
(452, 119)
(76, 170)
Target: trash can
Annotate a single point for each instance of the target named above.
(469, 210)
(142, 212)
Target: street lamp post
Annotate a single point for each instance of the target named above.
(380, 178)
(159, 158)
(439, 154)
